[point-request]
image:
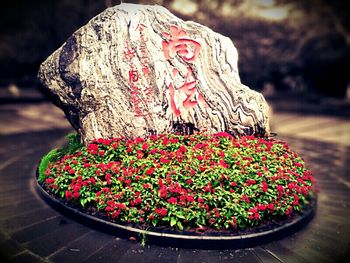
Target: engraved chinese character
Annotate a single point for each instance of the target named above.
(189, 89)
(129, 53)
(178, 42)
(133, 76)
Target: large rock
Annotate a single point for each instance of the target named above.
(135, 70)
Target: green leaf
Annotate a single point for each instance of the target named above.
(172, 221)
(179, 225)
(180, 215)
(83, 202)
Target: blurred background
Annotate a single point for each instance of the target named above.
(297, 53)
(291, 50)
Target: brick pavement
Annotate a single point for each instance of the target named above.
(31, 231)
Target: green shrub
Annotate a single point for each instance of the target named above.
(52, 155)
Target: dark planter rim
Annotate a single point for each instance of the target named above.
(187, 239)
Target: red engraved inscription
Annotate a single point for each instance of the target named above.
(188, 88)
(133, 76)
(178, 42)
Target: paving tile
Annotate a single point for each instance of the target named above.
(39, 229)
(3, 236)
(82, 248)
(20, 208)
(285, 253)
(113, 252)
(26, 257)
(49, 243)
(7, 198)
(8, 248)
(23, 220)
(17, 201)
(312, 250)
(208, 256)
(152, 254)
(265, 256)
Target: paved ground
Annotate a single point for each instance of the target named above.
(31, 231)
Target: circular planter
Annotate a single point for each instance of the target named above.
(187, 239)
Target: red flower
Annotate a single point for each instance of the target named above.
(189, 181)
(256, 216)
(146, 186)
(190, 198)
(199, 157)
(47, 172)
(92, 148)
(71, 171)
(139, 140)
(202, 168)
(297, 164)
(139, 154)
(200, 200)
(163, 192)
(223, 135)
(116, 214)
(69, 195)
(164, 160)
(127, 181)
(296, 199)
(108, 178)
(279, 188)
(121, 206)
(165, 141)
(145, 146)
(182, 149)
(264, 186)
(251, 182)
(138, 200)
(172, 200)
(233, 184)
(150, 171)
(208, 187)
(76, 194)
(92, 180)
(106, 190)
(245, 199)
(288, 211)
(161, 211)
(153, 151)
(50, 180)
(262, 207)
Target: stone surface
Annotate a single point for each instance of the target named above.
(137, 69)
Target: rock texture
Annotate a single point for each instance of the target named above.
(135, 70)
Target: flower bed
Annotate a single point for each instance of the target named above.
(205, 182)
